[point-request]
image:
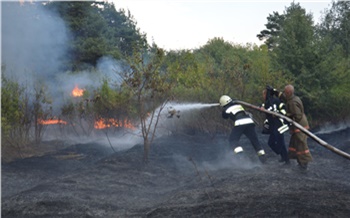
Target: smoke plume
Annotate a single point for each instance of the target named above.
(35, 51)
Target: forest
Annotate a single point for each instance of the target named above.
(86, 36)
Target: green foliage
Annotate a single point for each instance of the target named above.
(145, 80)
(273, 29)
(42, 110)
(239, 71)
(112, 103)
(149, 88)
(336, 26)
(315, 59)
(97, 30)
(189, 74)
(335, 99)
(225, 67)
(22, 110)
(294, 52)
(11, 116)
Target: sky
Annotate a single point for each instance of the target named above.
(180, 24)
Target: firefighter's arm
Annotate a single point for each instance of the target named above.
(295, 112)
(225, 115)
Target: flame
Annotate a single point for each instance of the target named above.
(51, 121)
(77, 92)
(99, 124)
(107, 123)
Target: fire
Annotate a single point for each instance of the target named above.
(107, 123)
(99, 124)
(77, 92)
(51, 121)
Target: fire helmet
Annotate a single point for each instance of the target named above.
(224, 100)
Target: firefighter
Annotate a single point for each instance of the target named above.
(298, 147)
(243, 125)
(274, 126)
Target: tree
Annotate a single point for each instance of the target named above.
(149, 91)
(189, 75)
(42, 109)
(295, 53)
(123, 31)
(336, 26)
(273, 29)
(15, 115)
(333, 69)
(88, 29)
(97, 30)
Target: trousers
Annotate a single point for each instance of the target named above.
(249, 131)
(277, 144)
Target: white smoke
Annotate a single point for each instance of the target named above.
(35, 50)
(34, 42)
(331, 128)
(110, 68)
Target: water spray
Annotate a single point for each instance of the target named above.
(175, 108)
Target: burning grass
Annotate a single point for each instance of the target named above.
(77, 92)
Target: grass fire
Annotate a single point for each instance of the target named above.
(107, 123)
(77, 92)
(97, 120)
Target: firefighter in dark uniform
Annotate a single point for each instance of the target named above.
(243, 125)
(298, 148)
(274, 126)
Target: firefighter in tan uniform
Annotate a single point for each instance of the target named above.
(298, 148)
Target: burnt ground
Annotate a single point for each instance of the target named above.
(187, 176)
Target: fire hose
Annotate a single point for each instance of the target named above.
(297, 125)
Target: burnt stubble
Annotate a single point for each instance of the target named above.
(187, 176)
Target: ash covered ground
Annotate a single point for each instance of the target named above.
(187, 176)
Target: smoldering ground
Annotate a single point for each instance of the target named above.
(187, 176)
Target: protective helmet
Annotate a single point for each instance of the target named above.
(224, 100)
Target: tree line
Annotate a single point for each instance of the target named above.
(313, 57)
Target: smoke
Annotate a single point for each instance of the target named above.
(35, 45)
(231, 161)
(35, 51)
(34, 42)
(332, 128)
(109, 66)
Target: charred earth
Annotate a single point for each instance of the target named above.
(187, 176)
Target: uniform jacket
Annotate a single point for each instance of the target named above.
(295, 110)
(275, 105)
(236, 113)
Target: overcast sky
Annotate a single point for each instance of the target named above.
(180, 24)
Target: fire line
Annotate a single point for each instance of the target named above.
(51, 122)
(107, 123)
